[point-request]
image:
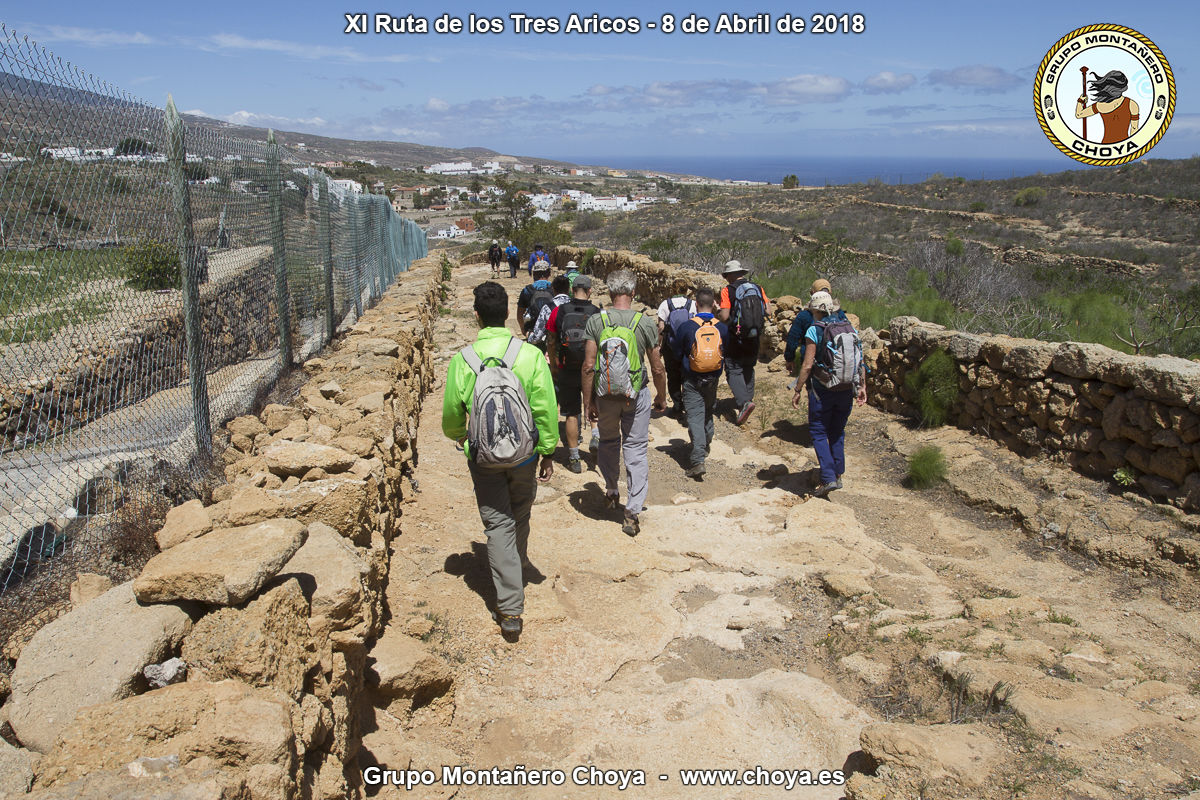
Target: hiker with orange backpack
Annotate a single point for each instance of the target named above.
(700, 345)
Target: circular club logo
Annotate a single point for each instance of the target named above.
(1104, 94)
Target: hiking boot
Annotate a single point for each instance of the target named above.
(612, 500)
(595, 443)
(631, 526)
(694, 471)
(744, 414)
(838, 483)
(575, 465)
(510, 626)
(825, 488)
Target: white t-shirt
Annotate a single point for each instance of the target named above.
(665, 308)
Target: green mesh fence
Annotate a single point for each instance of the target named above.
(144, 264)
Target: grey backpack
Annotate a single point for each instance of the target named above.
(500, 430)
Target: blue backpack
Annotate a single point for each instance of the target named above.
(676, 316)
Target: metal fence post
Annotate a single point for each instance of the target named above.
(326, 250)
(352, 215)
(189, 280)
(384, 262)
(282, 299)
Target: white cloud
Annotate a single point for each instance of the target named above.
(99, 37)
(888, 82)
(802, 89)
(313, 52)
(437, 104)
(979, 78)
(270, 120)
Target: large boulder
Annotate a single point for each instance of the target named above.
(94, 654)
(267, 643)
(16, 770)
(338, 581)
(186, 521)
(228, 723)
(964, 753)
(286, 457)
(223, 568)
(404, 670)
(168, 782)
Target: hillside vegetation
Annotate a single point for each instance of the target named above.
(1106, 256)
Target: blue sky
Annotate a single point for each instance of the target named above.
(924, 79)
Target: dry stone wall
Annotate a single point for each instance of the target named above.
(1092, 407)
(272, 594)
(1097, 409)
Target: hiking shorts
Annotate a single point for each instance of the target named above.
(570, 393)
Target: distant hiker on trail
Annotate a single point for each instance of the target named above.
(567, 340)
(537, 293)
(513, 254)
(494, 253)
(572, 272)
(616, 393)
(561, 287)
(744, 307)
(500, 406)
(800, 325)
(700, 346)
(537, 255)
(673, 312)
(1120, 113)
(833, 357)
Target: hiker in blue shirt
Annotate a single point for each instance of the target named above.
(801, 324)
(538, 254)
(828, 409)
(701, 356)
(536, 293)
(513, 254)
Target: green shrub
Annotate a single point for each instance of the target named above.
(927, 467)
(954, 245)
(151, 265)
(935, 386)
(1029, 196)
(977, 206)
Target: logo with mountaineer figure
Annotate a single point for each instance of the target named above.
(1104, 94)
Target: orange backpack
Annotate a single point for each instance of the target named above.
(707, 354)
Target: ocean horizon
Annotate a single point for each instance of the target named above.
(833, 170)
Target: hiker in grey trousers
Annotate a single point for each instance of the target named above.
(625, 422)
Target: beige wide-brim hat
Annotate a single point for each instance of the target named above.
(734, 268)
(822, 301)
(571, 264)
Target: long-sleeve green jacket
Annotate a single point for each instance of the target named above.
(531, 370)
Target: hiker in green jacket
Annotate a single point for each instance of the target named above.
(504, 495)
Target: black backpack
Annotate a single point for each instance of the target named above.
(537, 301)
(747, 310)
(572, 319)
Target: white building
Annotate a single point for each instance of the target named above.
(451, 168)
(347, 186)
(450, 231)
(607, 204)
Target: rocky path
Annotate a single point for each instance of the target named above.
(933, 648)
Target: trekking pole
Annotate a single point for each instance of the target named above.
(1083, 78)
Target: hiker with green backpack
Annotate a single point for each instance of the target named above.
(621, 345)
(500, 406)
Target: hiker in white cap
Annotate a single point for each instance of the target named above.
(833, 358)
(744, 308)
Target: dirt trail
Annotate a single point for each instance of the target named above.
(750, 625)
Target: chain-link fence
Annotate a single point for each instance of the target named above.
(156, 278)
